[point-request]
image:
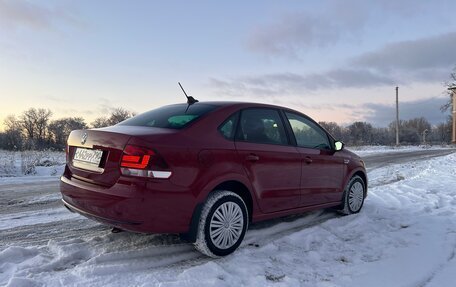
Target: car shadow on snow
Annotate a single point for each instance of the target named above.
(166, 250)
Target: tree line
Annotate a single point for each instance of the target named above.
(411, 132)
(34, 129)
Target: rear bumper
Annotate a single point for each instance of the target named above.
(98, 218)
(139, 206)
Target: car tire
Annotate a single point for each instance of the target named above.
(222, 225)
(354, 195)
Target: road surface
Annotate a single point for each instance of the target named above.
(380, 160)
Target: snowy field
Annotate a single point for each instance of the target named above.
(404, 236)
(17, 167)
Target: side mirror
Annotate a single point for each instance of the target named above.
(339, 145)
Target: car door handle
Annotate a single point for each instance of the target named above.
(252, 157)
(308, 159)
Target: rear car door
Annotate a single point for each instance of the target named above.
(272, 165)
(322, 167)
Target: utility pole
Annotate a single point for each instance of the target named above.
(453, 103)
(397, 116)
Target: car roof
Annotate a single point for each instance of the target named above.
(238, 104)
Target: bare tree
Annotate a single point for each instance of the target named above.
(42, 120)
(442, 132)
(411, 130)
(382, 136)
(28, 120)
(117, 115)
(35, 123)
(100, 122)
(12, 123)
(360, 133)
(419, 124)
(60, 129)
(12, 137)
(334, 129)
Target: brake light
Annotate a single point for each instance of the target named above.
(143, 162)
(135, 161)
(136, 157)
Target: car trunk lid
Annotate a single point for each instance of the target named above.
(94, 155)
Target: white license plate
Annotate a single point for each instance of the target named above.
(91, 156)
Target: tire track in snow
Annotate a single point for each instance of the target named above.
(166, 250)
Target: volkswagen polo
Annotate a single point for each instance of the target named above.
(206, 170)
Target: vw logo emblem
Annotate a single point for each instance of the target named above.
(84, 138)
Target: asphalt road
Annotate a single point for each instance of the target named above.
(381, 160)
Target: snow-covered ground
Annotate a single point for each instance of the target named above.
(369, 150)
(404, 236)
(32, 166)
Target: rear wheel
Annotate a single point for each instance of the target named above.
(354, 194)
(222, 225)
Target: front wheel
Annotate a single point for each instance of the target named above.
(222, 225)
(354, 195)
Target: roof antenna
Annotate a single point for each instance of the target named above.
(190, 99)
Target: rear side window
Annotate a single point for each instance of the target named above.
(228, 127)
(170, 117)
(263, 126)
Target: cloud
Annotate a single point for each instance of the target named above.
(105, 106)
(424, 60)
(357, 78)
(292, 33)
(76, 112)
(292, 83)
(417, 55)
(333, 21)
(427, 59)
(20, 14)
(382, 115)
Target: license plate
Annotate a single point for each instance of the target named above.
(90, 156)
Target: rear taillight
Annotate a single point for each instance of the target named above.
(136, 157)
(143, 162)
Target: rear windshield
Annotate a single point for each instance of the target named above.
(169, 117)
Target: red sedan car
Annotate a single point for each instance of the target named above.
(207, 170)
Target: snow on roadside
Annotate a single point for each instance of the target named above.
(32, 166)
(371, 150)
(404, 236)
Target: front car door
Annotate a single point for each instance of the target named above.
(272, 165)
(322, 167)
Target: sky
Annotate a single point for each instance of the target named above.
(332, 60)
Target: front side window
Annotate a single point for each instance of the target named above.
(307, 133)
(261, 126)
